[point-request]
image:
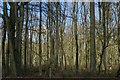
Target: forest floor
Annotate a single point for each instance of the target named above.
(67, 73)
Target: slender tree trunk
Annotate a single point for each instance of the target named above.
(8, 42)
(72, 50)
(99, 5)
(3, 50)
(61, 33)
(57, 35)
(86, 49)
(92, 39)
(7, 55)
(26, 39)
(118, 5)
(85, 35)
(51, 53)
(40, 42)
(102, 55)
(61, 55)
(76, 39)
(75, 7)
(47, 38)
(105, 39)
(51, 42)
(4, 67)
(31, 48)
(21, 28)
(63, 52)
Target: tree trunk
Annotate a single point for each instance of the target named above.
(118, 5)
(75, 8)
(7, 55)
(31, 44)
(11, 36)
(26, 39)
(103, 53)
(17, 44)
(7, 51)
(47, 38)
(21, 28)
(57, 35)
(40, 43)
(61, 33)
(3, 50)
(92, 39)
(51, 41)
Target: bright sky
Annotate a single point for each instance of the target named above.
(69, 5)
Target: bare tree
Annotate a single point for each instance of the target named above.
(75, 9)
(92, 39)
(40, 47)
(26, 40)
(3, 44)
(104, 41)
(118, 5)
(57, 34)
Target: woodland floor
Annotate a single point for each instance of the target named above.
(67, 73)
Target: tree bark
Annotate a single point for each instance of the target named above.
(40, 42)
(26, 39)
(31, 44)
(17, 43)
(61, 33)
(75, 8)
(51, 40)
(3, 50)
(57, 35)
(48, 38)
(21, 28)
(92, 39)
(118, 5)
(103, 53)
(11, 36)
